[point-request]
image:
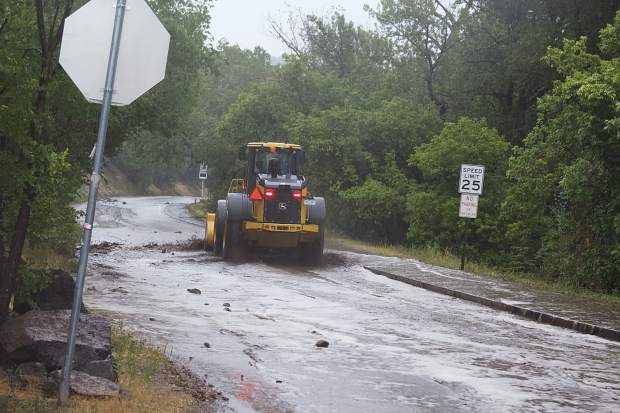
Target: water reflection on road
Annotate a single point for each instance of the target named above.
(393, 348)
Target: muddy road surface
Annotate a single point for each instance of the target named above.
(252, 329)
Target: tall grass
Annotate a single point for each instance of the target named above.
(140, 372)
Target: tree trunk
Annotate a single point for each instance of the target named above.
(49, 41)
(430, 88)
(10, 266)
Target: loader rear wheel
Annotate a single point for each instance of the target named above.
(217, 244)
(312, 252)
(233, 246)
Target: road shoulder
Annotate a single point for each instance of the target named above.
(577, 312)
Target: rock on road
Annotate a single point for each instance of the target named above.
(254, 327)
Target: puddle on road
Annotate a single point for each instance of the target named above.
(385, 355)
(393, 348)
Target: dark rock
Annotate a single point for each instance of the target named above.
(226, 304)
(152, 319)
(227, 309)
(278, 381)
(58, 295)
(314, 332)
(322, 343)
(99, 368)
(225, 398)
(42, 336)
(31, 371)
(124, 203)
(86, 385)
(105, 247)
(194, 291)
(163, 251)
(119, 290)
(207, 345)
(172, 253)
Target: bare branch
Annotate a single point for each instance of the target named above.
(41, 27)
(54, 20)
(288, 33)
(447, 13)
(4, 24)
(57, 37)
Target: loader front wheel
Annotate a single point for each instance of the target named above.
(233, 246)
(218, 238)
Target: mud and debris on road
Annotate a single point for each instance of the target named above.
(392, 348)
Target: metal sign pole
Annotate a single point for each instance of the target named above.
(92, 199)
(203, 189)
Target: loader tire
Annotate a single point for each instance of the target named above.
(233, 246)
(217, 244)
(221, 216)
(312, 252)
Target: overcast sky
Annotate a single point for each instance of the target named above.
(244, 22)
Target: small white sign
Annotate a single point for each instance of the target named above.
(472, 179)
(203, 174)
(469, 206)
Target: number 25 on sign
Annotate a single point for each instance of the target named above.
(472, 179)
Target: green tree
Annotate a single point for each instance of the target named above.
(424, 32)
(30, 39)
(156, 134)
(433, 204)
(564, 205)
(497, 71)
(42, 115)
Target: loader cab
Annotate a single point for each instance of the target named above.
(272, 166)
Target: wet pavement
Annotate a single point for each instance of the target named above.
(574, 308)
(393, 347)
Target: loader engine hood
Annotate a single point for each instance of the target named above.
(292, 182)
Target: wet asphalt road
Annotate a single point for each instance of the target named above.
(393, 347)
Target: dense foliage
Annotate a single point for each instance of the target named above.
(47, 129)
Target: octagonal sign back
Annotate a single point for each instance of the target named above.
(143, 52)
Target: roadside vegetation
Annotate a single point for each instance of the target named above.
(200, 209)
(47, 129)
(149, 380)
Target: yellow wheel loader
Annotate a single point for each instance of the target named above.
(270, 209)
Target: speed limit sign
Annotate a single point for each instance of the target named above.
(472, 179)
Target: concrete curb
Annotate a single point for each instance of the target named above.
(541, 317)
